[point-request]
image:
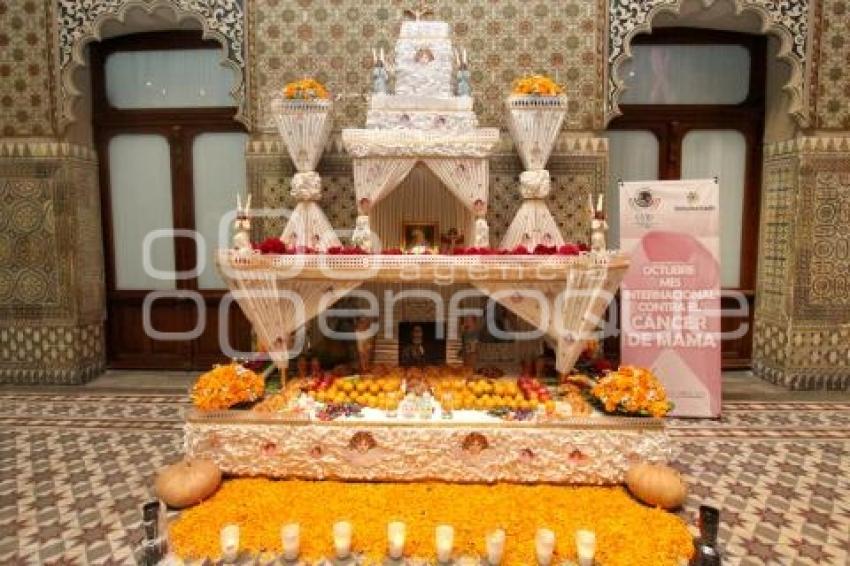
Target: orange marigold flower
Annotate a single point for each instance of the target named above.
(225, 386)
(306, 89)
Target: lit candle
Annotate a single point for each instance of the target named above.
(586, 546)
(495, 543)
(290, 540)
(445, 542)
(342, 539)
(230, 543)
(544, 544)
(396, 531)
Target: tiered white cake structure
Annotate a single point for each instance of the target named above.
(422, 121)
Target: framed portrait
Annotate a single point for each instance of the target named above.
(420, 237)
(418, 344)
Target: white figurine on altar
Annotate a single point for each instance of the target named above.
(482, 233)
(362, 235)
(464, 85)
(380, 76)
(598, 225)
(242, 228)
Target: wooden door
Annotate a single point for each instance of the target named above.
(147, 169)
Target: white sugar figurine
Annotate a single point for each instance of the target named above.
(598, 225)
(242, 227)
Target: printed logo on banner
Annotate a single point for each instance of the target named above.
(644, 205)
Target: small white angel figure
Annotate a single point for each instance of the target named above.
(380, 75)
(598, 225)
(242, 228)
(362, 235)
(463, 77)
(482, 233)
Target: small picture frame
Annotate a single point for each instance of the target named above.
(420, 237)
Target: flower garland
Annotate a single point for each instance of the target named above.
(225, 386)
(631, 391)
(305, 89)
(628, 533)
(276, 246)
(536, 85)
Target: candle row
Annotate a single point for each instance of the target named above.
(290, 537)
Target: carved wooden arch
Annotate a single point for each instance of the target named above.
(80, 23)
(788, 20)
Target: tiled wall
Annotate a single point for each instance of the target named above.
(51, 283)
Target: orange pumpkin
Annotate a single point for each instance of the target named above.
(656, 484)
(188, 482)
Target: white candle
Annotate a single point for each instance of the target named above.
(544, 545)
(290, 540)
(495, 543)
(396, 531)
(586, 546)
(445, 542)
(230, 543)
(342, 539)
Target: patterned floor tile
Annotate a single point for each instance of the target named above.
(76, 467)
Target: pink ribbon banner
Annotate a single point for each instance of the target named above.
(671, 293)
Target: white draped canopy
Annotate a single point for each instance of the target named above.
(465, 177)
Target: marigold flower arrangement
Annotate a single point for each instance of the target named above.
(631, 391)
(537, 85)
(261, 506)
(225, 386)
(305, 89)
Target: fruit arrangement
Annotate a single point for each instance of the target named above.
(488, 394)
(364, 391)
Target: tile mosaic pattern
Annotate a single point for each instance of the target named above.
(333, 40)
(802, 315)
(833, 74)
(82, 464)
(25, 85)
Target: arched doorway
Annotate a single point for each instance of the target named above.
(702, 89)
(158, 92)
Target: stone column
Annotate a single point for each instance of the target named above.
(51, 263)
(802, 318)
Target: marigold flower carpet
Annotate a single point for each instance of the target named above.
(75, 468)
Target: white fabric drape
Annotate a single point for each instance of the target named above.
(374, 178)
(305, 133)
(534, 131)
(277, 307)
(532, 225)
(420, 197)
(309, 227)
(466, 178)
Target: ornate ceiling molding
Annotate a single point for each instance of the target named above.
(786, 19)
(80, 22)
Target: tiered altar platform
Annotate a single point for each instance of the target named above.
(580, 450)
